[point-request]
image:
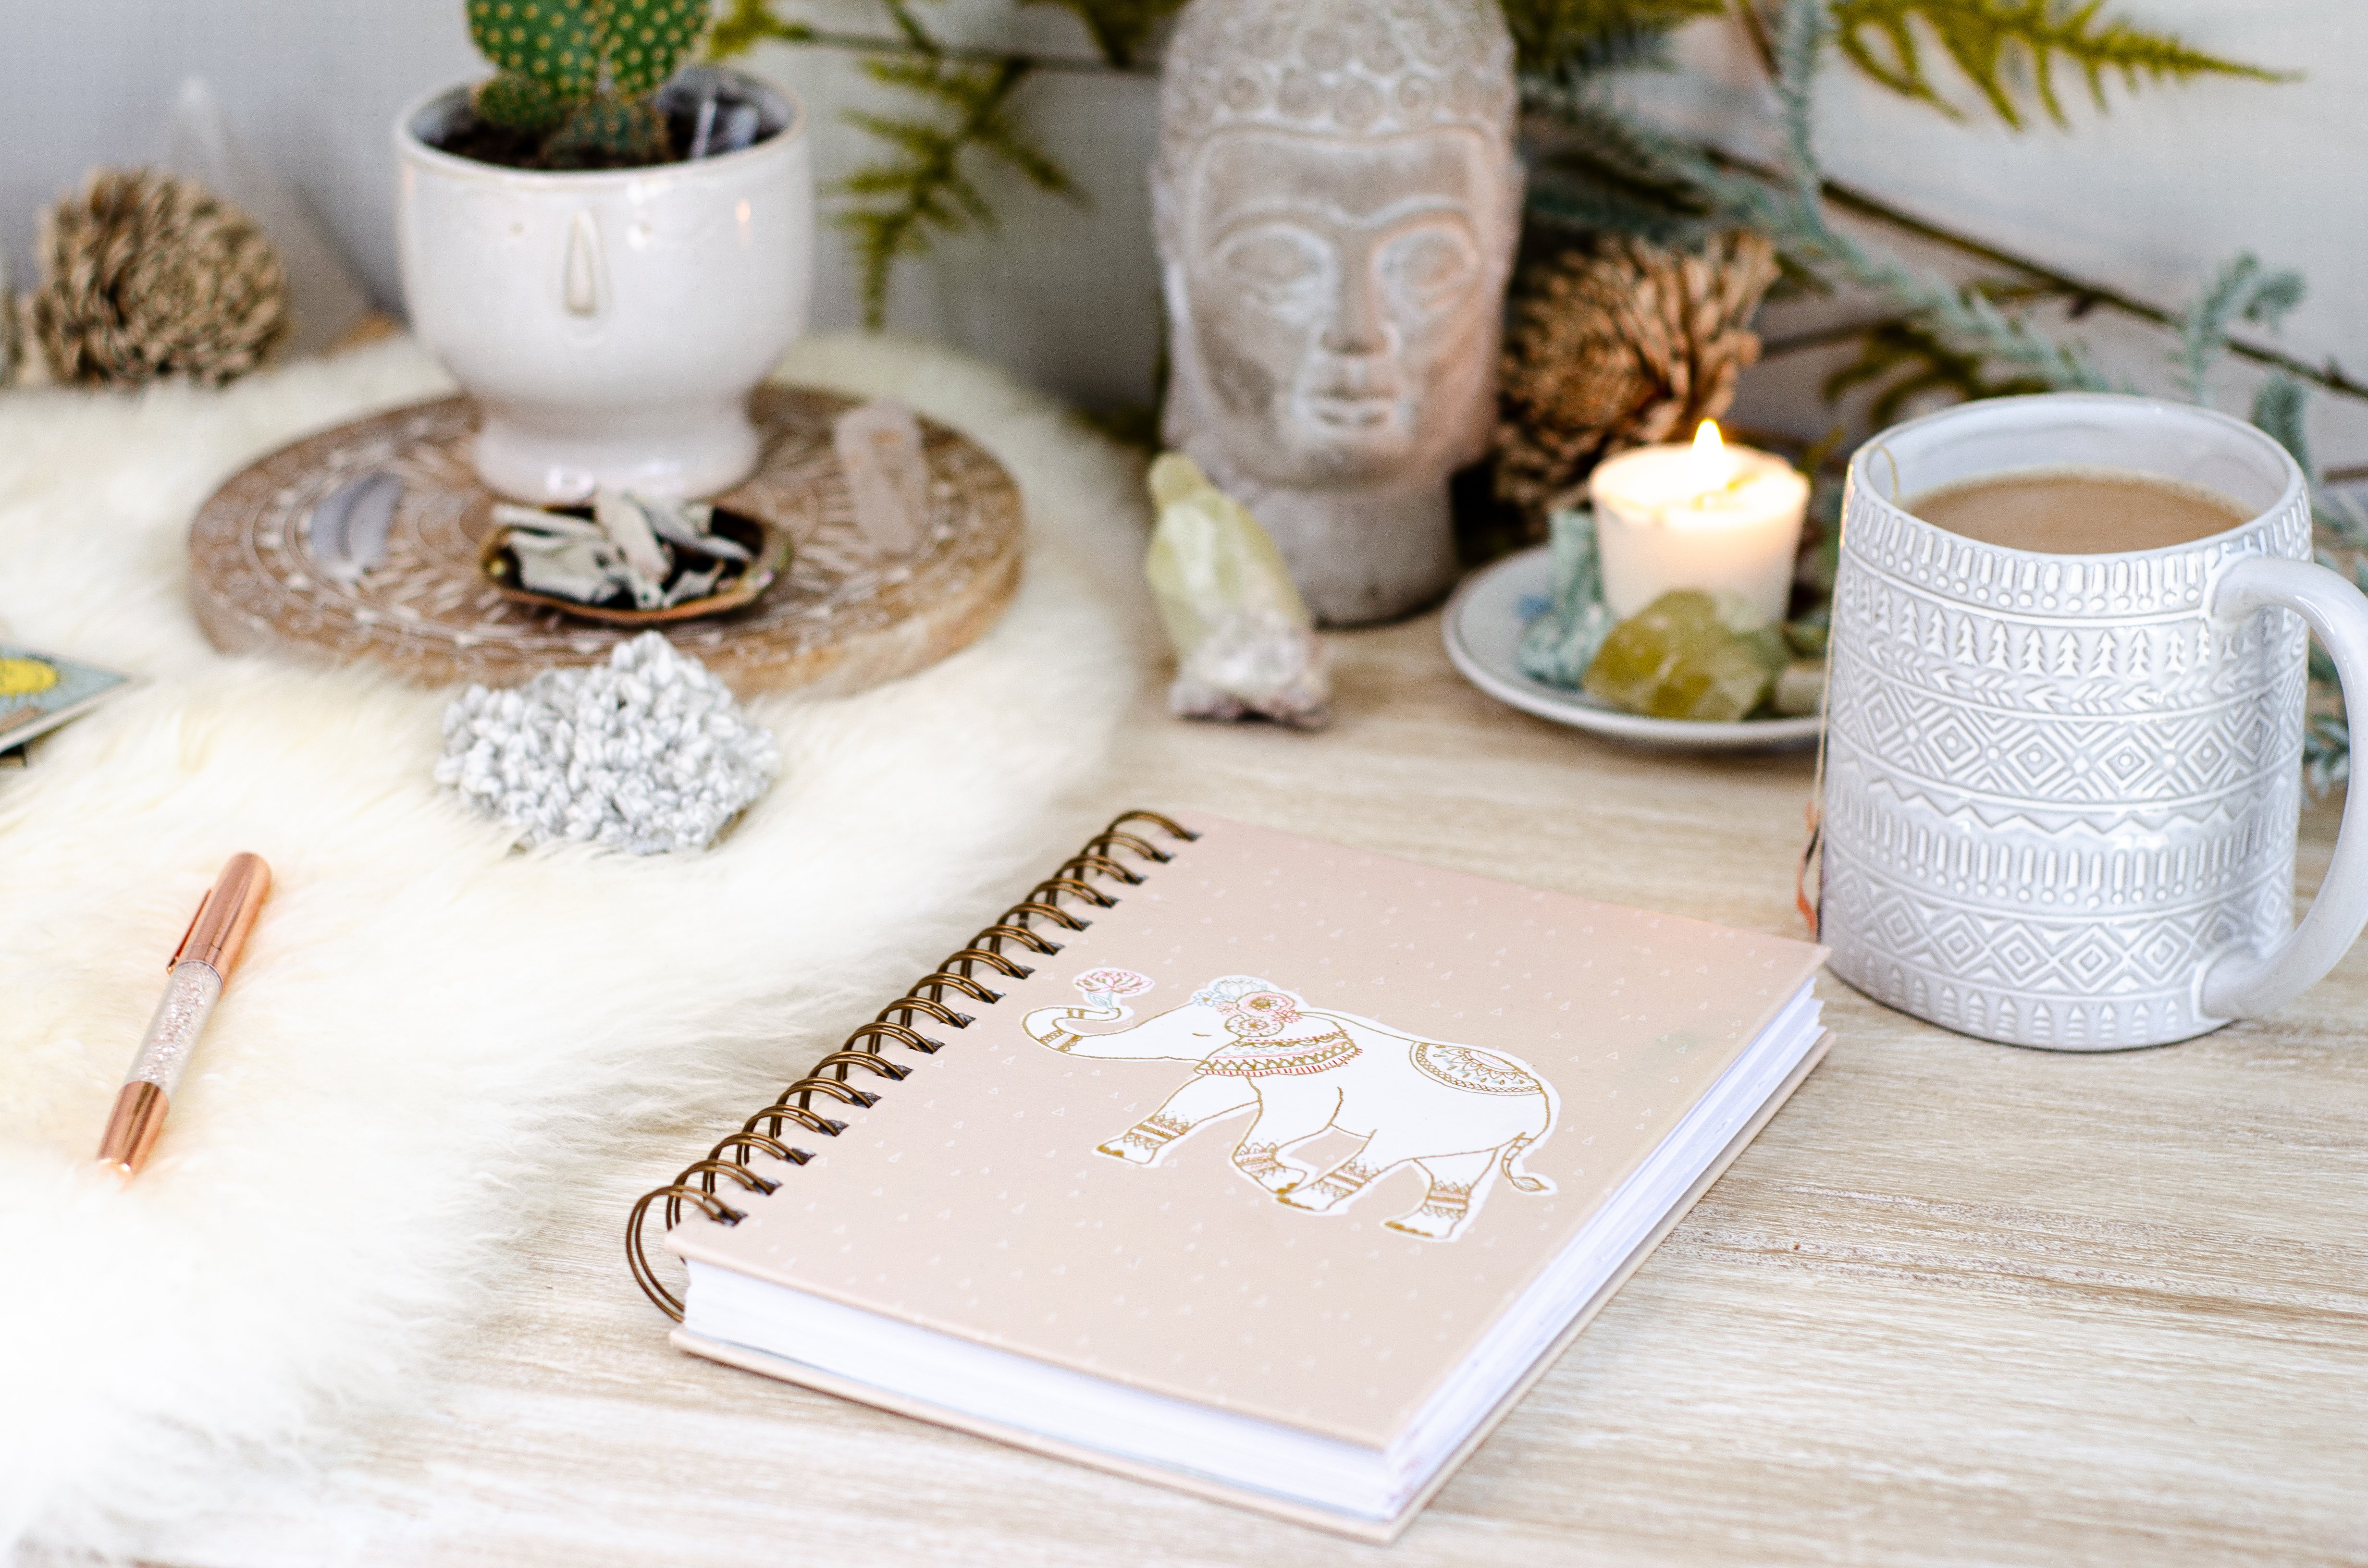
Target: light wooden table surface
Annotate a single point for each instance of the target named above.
(1960, 1303)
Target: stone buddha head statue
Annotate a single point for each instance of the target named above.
(1336, 201)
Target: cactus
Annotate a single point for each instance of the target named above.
(581, 73)
(608, 133)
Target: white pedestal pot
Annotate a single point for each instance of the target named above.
(610, 323)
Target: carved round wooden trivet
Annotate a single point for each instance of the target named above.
(841, 619)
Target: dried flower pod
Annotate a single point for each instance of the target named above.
(1621, 346)
(146, 275)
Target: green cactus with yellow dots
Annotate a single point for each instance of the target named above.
(582, 74)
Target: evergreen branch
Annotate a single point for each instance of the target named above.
(2326, 754)
(2279, 404)
(1991, 40)
(1790, 212)
(1786, 204)
(2082, 294)
(926, 189)
(1567, 41)
(1930, 366)
(2241, 290)
(1594, 169)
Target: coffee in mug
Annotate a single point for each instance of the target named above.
(2065, 710)
(2078, 511)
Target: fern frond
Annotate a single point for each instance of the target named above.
(1119, 28)
(1993, 40)
(1966, 320)
(745, 24)
(925, 188)
(2239, 292)
(918, 35)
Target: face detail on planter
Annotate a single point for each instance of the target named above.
(1336, 202)
(1337, 293)
(609, 323)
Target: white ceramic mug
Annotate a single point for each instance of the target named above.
(2061, 792)
(610, 323)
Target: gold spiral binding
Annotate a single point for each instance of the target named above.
(870, 1061)
(908, 1005)
(1079, 864)
(962, 982)
(1102, 844)
(1053, 911)
(990, 957)
(741, 1143)
(1004, 931)
(1173, 828)
(1051, 888)
(913, 1039)
(694, 1185)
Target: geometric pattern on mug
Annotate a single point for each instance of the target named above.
(2054, 787)
(2040, 588)
(2063, 982)
(2127, 669)
(1460, 1115)
(2072, 955)
(2194, 756)
(2128, 863)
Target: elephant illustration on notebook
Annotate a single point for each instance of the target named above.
(1463, 1115)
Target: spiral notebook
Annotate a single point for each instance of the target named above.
(1231, 1159)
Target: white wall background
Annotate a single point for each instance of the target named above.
(2149, 198)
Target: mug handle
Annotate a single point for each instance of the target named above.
(2242, 984)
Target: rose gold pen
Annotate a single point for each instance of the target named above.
(209, 950)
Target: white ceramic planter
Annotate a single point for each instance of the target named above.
(611, 323)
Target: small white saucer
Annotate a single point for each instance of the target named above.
(1482, 629)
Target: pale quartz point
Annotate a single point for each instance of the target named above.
(887, 473)
(1245, 642)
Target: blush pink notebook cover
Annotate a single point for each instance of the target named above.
(1088, 1174)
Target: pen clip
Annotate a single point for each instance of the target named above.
(182, 945)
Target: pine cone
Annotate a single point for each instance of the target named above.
(12, 324)
(1626, 345)
(145, 275)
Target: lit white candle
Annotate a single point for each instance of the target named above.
(1711, 516)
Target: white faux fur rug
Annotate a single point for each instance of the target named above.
(427, 1031)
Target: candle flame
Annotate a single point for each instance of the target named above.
(1708, 465)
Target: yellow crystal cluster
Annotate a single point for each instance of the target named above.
(1689, 655)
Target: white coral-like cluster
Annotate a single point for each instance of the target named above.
(647, 753)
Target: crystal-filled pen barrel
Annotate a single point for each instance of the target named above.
(189, 997)
(208, 951)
